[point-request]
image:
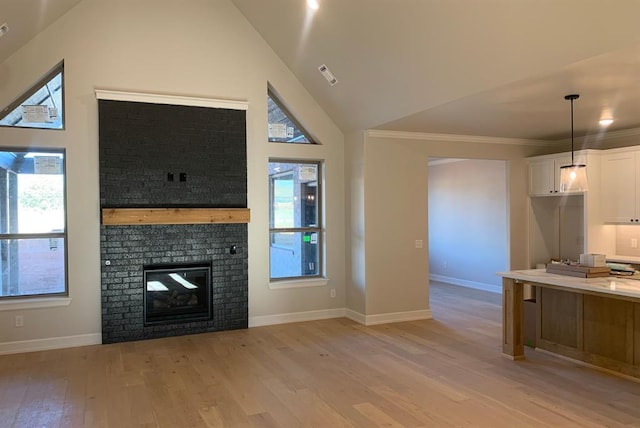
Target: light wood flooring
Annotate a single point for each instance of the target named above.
(445, 372)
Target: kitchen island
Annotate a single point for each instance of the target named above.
(595, 320)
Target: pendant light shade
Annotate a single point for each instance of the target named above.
(573, 178)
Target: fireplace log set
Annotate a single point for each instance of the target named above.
(162, 300)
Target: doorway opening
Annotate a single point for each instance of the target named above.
(468, 222)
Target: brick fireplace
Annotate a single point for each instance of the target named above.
(176, 158)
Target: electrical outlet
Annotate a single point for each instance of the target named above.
(19, 320)
(418, 243)
(332, 293)
(634, 243)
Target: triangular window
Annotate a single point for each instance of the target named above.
(42, 106)
(283, 127)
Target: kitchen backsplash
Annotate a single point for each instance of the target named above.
(628, 241)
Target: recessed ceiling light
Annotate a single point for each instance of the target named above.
(4, 28)
(313, 4)
(605, 122)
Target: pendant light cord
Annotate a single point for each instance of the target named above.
(572, 162)
(571, 98)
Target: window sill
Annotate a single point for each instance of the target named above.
(34, 303)
(299, 283)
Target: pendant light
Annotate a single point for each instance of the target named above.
(573, 178)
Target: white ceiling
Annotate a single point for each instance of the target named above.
(26, 18)
(477, 67)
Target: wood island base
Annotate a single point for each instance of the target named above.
(594, 320)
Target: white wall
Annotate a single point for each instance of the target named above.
(394, 213)
(202, 48)
(468, 223)
(354, 171)
(395, 177)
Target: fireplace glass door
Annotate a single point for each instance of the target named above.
(178, 293)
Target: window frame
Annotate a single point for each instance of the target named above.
(44, 235)
(57, 69)
(318, 229)
(273, 95)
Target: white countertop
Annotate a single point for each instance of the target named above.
(613, 285)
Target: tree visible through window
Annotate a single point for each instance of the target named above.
(32, 223)
(295, 219)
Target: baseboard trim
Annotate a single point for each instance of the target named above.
(392, 317)
(259, 321)
(465, 283)
(424, 314)
(50, 343)
(356, 316)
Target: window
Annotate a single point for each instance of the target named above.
(295, 224)
(41, 106)
(33, 234)
(283, 127)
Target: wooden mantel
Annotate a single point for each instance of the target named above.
(142, 216)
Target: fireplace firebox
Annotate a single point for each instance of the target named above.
(177, 293)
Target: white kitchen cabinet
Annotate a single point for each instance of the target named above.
(621, 193)
(542, 177)
(544, 173)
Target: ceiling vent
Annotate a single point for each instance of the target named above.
(4, 28)
(328, 75)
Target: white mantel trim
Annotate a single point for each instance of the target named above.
(180, 100)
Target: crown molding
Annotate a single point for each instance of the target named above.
(179, 100)
(455, 138)
(634, 132)
(607, 136)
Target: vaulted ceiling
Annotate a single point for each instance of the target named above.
(25, 19)
(479, 67)
(476, 67)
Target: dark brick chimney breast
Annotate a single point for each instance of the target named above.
(142, 148)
